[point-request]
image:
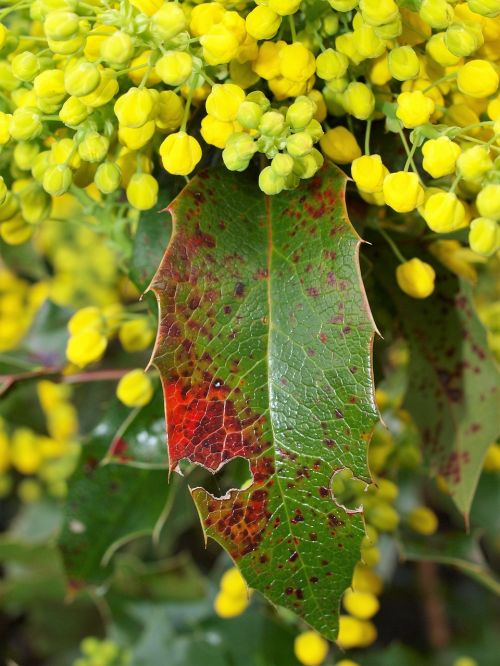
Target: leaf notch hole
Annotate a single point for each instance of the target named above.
(347, 490)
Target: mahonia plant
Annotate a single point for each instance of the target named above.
(104, 103)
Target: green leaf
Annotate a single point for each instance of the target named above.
(107, 506)
(453, 382)
(264, 349)
(458, 550)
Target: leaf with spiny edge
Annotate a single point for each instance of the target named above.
(264, 349)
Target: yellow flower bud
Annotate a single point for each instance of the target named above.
(368, 173)
(269, 182)
(444, 212)
(490, 9)
(402, 191)
(227, 606)
(477, 78)
(297, 63)
(73, 112)
(136, 137)
(378, 12)
(331, 64)
(35, 205)
(135, 389)
(220, 45)
(105, 91)
(93, 147)
(437, 13)
(136, 335)
(239, 149)
(3, 191)
(50, 83)
(25, 452)
(169, 20)
(423, 520)
(25, 66)
(403, 63)
(148, 7)
(284, 7)
(174, 67)
(216, 132)
(438, 51)
(86, 347)
(362, 605)
(57, 179)
(107, 177)
(81, 78)
(491, 460)
(440, 156)
(15, 230)
(118, 48)
(142, 191)
(262, 22)
(180, 153)
(415, 278)
(135, 107)
(84, 319)
(60, 26)
(340, 145)
(488, 201)
(462, 39)
(224, 101)
(414, 108)
(355, 633)
(310, 648)
(359, 100)
(484, 236)
(474, 163)
(365, 579)
(25, 124)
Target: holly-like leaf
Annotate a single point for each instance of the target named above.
(264, 349)
(453, 382)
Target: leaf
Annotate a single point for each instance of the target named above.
(453, 382)
(106, 507)
(264, 349)
(458, 550)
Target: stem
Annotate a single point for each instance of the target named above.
(392, 244)
(408, 151)
(367, 136)
(438, 630)
(437, 82)
(291, 22)
(410, 157)
(107, 375)
(186, 109)
(455, 183)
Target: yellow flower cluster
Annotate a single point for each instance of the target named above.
(42, 460)
(106, 96)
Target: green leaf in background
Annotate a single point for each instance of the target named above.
(453, 381)
(107, 506)
(265, 354)
(457, 550)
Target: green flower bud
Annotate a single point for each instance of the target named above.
(300, 113)
(107, 177)
(66, 46)
(40, 165)
(73, 112)
(299, 145)
(259, 98)
(314, 130)
(306, 167)
(94, 147)
(35, 205)
(24, 155)
(9, 207)
(25, 66)
(437, 13)
(330, 24)
(3, 191)
(81, 79)
(462, 39)
(282, 164)
(403, 63)
(60, 26)
(337, 85)
(390, 30)
(57, 179)
(239, 150)
(331, 64)
(25, 124)
(489, 8)
(269, 182)
(118, 48)
(272, 123)
(249, 115)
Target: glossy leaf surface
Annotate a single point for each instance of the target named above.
(264, 349)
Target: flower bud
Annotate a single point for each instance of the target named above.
(136, 335)
(484, 236)
(297, 63)
(50, 83)
(436, 13)
(474, 163)
(118, 48)
(180, 153)
(239, 150)
(249, 115)
(414, 108)
(403, 63)
(306, 167)
(81, 78)
(57, 179)
(269, 182)
(67, 46)
(359, 100)
(142, 191)
(168, 21)
(35, 205)
(262, 22)
(135, 107)
(86, 347)
(300, 113)
(24, 155)
(282, 164)
(489, 8)
(423, 520)
(368, 172)
(25, 124)
(444, 212)
(299, 144)
(378, 12)
(440, 156)
(73, 112)
(340, 145)
(60, 26)
(368, 43)
(438, 51)
(174, 67)
(331, 64)
(224, 101)
(3, 191)
(488, 201)
(462, 39)
(135, 389)
(25, 66)
(402, 191)
(93, 147)
(477, 78)
(390, 30)
(15, 231)
(107, 177)
(272, 124)
(416, 278)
